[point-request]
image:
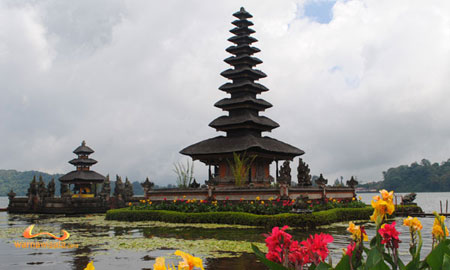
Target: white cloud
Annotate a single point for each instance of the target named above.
(138, 81)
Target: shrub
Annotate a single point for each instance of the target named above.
(294, 220)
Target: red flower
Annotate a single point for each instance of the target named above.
(278, 199)
(317, 247)
(298, 254)
(278, 242)
(226, 198)
(390, 235)
(165, 198)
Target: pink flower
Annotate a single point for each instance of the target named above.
(390, 235)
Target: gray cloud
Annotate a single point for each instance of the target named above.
(138, 80)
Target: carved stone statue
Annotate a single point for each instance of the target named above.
(106, 188)
(352, 182)
(285, 173)
(409, 198)
(321, 182)
(51, 188)
(119, 188)
(42, 190)
(128, 190)
(303, 174)
(147, 185)
(32, 190)
(64, 190)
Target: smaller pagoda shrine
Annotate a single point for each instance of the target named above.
(83, 181)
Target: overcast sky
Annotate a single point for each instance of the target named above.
(360, 86)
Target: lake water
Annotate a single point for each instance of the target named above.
(120, 245)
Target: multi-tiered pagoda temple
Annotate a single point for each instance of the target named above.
(83, 179)
(243, 124)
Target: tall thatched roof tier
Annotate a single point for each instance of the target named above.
(243, 124)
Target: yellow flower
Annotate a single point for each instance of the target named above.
(257, 198)
(262, 202)
(382, 205)
(356, 232)
(251, 202)
(174, 200)
(159, 264)
(90, 266)
(130, 204)
(189, 261)
(271, 199)
(360, 198)
(353, 198)
(437, 231)
(413, 224)
(387, 196)
(150, 203)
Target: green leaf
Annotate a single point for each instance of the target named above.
(262, 257)
(446, 262)
(436, 256)
(323, 266)
(373, 258)
(344, 263)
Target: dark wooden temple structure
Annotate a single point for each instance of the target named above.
(82, 181)
(243, 125)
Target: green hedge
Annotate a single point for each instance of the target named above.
(294, 220)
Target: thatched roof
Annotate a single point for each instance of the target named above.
(83, 161)
(83, 149)
(82, 176)
(227, 145)
(248, 120)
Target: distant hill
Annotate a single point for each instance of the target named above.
(20, 181)
(423, 177)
